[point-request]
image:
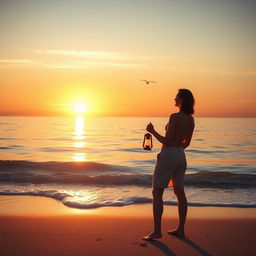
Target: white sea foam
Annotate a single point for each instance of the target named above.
(93, 196)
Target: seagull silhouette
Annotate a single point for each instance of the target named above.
(147, 82)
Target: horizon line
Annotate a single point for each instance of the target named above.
(124, 116)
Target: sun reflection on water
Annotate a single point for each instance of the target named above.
(79, 128)
(79, 157)
(81, 196)
(79, 142)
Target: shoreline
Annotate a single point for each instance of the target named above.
(32, 225)
(28, 205)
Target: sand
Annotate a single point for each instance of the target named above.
(43, 226)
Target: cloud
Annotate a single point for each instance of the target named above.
(91, 65)
(28, 63)
(74, 53)
(251, 73)
(75, 59)
(20, 62)
(104, 55)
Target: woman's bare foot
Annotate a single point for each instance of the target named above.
(152, 236)
(177, 232)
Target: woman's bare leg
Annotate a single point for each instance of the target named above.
(182, 209)
(157, 213)
(157, 208)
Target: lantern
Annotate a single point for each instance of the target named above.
(147, 142)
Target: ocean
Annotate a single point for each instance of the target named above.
(89, 162)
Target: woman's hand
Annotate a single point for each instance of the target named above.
(150, 128)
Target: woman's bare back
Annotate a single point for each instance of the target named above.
(179, 130)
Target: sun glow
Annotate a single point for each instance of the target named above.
(80, 108)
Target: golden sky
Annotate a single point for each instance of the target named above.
(54, 54)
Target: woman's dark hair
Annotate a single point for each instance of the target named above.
(187, 101)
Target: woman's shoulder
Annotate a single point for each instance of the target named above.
(181, 116)
(174, 115)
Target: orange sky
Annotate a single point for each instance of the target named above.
(54, 54)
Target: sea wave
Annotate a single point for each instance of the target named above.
(92, 173)
(18, 165)
(221, 180)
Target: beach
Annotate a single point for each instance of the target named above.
(43, 226)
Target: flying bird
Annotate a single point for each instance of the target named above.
(147, 82)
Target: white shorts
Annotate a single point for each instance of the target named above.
(171, 165)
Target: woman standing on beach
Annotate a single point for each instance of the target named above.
(171, 162)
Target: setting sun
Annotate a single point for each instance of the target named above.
(80, 108)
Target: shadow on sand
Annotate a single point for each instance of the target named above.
(161, 246)
(194, 246)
